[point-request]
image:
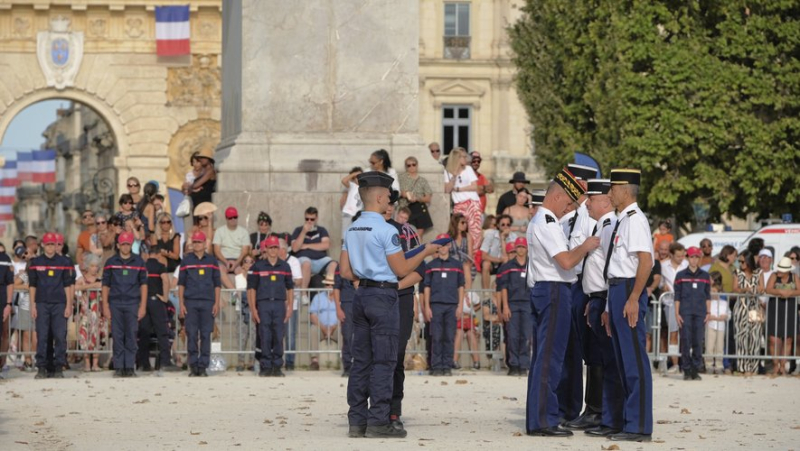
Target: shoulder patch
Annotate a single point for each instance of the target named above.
(607, 222)
(395, 240)
(549, 219)
(631, 212)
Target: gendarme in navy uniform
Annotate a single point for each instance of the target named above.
(600, 350)
(628, 265)
(198, 293)
(577, 226)
(371, 254)
(550, 275)
(125, 302)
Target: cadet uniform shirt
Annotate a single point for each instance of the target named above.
(577, 228)
(155, 286)
(50, 277)
(270, 281)
(6, 277)
(444, 277)
(124, 277)
(595, 262)
(633, 235)
(313, 237)
(692, 290)
(368, 242)
(546, 240)
(500, 281)
(403, 233)
(346, 289)
(199, 276)
(66, 262)
(514, 279)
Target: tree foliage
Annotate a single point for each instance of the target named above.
(703, 96)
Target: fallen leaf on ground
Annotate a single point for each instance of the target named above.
(203, 442)
(461, 382)
(39, 423)
(509, 398)
(443, 383)
(21, 443)
(739, 413)
(664, 422)
(658, 441)
(144, 401)
(267, 421)
(612, 447)
(686, 430)
(685, 411)
(518, 434)
(701, 437)
(194, 433)
(795, 427)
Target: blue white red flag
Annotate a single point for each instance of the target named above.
(172, 30)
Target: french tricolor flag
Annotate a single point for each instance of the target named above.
(25, 166)
(8, 195)
(172, 30)
(43, 168)
(6, 212)
(8, 174)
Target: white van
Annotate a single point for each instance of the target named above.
(718, 239)
(779, 238)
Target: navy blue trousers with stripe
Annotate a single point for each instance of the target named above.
(612, 384)
(634, 366)
(550, 302)
(570, 388)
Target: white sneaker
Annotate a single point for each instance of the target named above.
(674, 370)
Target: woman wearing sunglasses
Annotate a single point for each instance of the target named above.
(416, 193)
(134, 188)
(167, 242)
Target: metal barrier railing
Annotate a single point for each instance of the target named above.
(234, 331)
(756, 325)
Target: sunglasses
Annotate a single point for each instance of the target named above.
(505, 224)
(127, 202)
(204, 218)
(411, 165)
(311, 219)
(133, 185)
(165, 222)
(435, 150)
(100, 222)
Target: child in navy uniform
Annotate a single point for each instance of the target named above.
(692, 304)
(444, 292)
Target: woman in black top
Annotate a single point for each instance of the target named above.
(205, 185)
(264, 229)
(155, 320)
(167, 243)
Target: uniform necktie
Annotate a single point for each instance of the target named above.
(610, 250)
(572, 222)
(586, 257)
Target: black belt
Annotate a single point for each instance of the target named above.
(618, 280)
(599, 294)
(270, 300)
(375, 284)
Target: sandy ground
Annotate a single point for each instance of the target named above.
(307, 410)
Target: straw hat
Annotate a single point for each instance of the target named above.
(205, 208)
(785, 265)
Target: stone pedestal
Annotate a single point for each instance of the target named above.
(310, 89)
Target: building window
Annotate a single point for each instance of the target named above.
(456, 31)
(456, 127)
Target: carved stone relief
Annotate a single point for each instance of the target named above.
(192, 137)
(133, 27)
(22, 27)
(197, 85)
(97, 28)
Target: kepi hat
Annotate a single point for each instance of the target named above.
(598, 186)
(626, 177)
(567, 180)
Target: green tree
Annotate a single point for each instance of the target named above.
(703, 96)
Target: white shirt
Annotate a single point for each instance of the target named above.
(395, 183)
(297, 273)
(546, 240)
(633, 235)
(719, 308)
(353, 203)
(593, 280)
(668, 273)
(582, 229)
(466, 177)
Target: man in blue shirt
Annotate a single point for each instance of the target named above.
(269, 294)
(125, 303)
(50, 280)
(198, 294)
(371, 254)
(444, 296)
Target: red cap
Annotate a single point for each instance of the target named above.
(442, 236)
(271, 241)
(694, 251)
(59, 238)
(231, 212)
(49, 238)
(198, 236)
(125, 237)
(521, 242)
(510, 248)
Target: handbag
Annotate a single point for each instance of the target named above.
(755, 315)
(184, 208)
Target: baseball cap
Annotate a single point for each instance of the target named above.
(271, 241)
(59, 238)
(521, 242)
(510, 248)
(198, 236)
(694, 251)
(765, 253)
(19, 251)
(231, 212)
(49, 238)
(442, 236)
(125, 238)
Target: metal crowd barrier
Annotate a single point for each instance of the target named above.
(747, 343)
(234, 333)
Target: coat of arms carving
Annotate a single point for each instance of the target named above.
(60, 52)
